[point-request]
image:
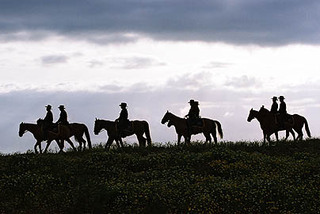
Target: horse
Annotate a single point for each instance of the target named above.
(37, 133)
(139, 128)
(73, 129)
(269, 125)
(209, 127)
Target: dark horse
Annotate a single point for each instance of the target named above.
(269, 125)
(138, 128)
(37, 133)
(73, 129)
(181, 126)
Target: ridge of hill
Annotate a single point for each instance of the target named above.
(241, 177)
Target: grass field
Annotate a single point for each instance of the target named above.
(241, 177)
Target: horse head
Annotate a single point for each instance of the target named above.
(252, 115)
(166, 117)
(22, 129)
(97, 126)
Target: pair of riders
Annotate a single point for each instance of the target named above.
(281, 115)
(47, 122)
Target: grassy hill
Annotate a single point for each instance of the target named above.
(226, 178)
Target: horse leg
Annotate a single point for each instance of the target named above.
(208, 138)
(214, 135)
(300, 134)
(118, 142)
(142, 141)
(187, 139)
(40, 149)
(109, 142)
(293, 134)
(71, 144)
(277, 136)
(47, 146)
(179, 139)
(287, 134)
(35, 147)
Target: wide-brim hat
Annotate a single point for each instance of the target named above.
(281, 98)
(191, 101)
(274, 98)
(48, 106)
(123, 104)
(61, 107)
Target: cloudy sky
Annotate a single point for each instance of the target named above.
(156, 55)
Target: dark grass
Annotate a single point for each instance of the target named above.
(231, 177)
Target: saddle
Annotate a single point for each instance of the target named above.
(282, 120)
(196, 122)
(126, 128)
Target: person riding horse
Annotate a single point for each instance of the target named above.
(193, 115)
(47, 121)
(274, 107)
(123, 121)
(63, 119)
(283, 115)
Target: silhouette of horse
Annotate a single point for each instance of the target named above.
(269, 125)
(73, 129)
(138, 128)
(181, 126)
(37, 133)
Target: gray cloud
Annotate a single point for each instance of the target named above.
(239, 22)
(53, 59)
(135, 62)
(243, 82)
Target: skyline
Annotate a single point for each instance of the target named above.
(231, 56)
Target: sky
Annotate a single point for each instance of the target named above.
(90, 56)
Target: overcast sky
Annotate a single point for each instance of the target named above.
(156, 55)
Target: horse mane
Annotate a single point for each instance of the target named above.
(264, 110)
(174, 115)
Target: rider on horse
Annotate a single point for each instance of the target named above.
(274, 107)
(47, 121)
(194, 114)
(63, 119)
(283, 115)
(122, 120)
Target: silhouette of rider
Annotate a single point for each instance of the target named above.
(283, 115)
(47, 121)
(283, 106)
(193, 114)
(194, 111)
(274, 106)
(122, 120)
(63, 119)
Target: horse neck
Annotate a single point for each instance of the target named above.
(33, 128)
(175, 119)
(107, 124)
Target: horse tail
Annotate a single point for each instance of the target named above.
(219, 128)
(86, 132)
(147, 131)
(306, 126)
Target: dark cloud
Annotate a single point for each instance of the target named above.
(262, 22)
